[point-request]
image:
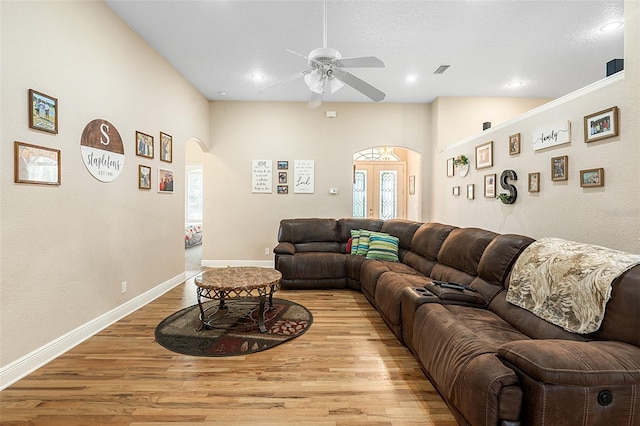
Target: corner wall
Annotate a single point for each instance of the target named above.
(608, 216)
(247, 223)
(66, 249)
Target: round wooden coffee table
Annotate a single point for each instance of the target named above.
(242, 282)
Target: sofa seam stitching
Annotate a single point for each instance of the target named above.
(486, 409)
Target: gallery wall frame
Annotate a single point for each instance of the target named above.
(144, 177)
(471, 191)
(560, 168)
(412, 185)
(514, 144)
(450, 166)
(166, 147)
(533, 182)
(490, 186)
(43, 112)
(36, 164)
(592, 177)
(144, 144)
(165, 181)
(456, 191)
(283, 189)
(601, 125)
(484, 155)
(283, 165)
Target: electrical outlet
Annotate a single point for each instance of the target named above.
(124, 287)
(266, 250)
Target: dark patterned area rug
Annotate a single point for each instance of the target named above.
(238, 332)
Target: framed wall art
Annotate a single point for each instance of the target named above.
(412, 185)
(514, 144)
(551, 134)
(490, 186)
(560, 168)
(144, 177)
(166, 147)
(450, 166)
(43, 112)
(283, 165)
(601, 125)
(36, 164)
(282, 177)
(165, 180)
(592, 177)
(144, 145)
(456, 191)
(283, 189)
(471, 191)
(484, 155)
(533, 183)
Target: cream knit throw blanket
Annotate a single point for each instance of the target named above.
(567, 283)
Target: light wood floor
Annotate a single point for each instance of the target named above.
(347, 369)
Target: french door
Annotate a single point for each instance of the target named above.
(379, 190)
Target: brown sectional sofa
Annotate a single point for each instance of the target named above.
(493, 362)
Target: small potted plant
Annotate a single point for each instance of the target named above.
(462, 161)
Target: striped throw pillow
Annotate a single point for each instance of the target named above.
(355, 239)
(383, 247)
(363, 243)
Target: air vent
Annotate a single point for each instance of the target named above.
(441, 69)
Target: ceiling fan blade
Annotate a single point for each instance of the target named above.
(360, 85)
(360, 62)
(314, 100)
(288, 79)
(306, 57)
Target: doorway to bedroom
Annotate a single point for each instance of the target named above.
(193, 214)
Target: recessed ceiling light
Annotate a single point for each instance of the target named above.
(515, 83)
(257, 77)
(411, 78)
(222, 93)
(611, 26)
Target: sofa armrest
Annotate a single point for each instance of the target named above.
(567, 362)
(284, 248)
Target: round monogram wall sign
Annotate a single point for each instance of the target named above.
(102, 150)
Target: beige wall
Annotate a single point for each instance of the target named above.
(608, 216)
(65, 250)
(243, 131)
(458, 118)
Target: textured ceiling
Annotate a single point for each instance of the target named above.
(553, 47)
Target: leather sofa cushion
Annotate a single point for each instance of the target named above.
(623, 309)
(308, 230)
(595, 363)
(403, 229)
(346, 225)
(313, 266)
(318, 247)
(428, 239)
(464, 247)
(500, 255)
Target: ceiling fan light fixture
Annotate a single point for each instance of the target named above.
(335, 85)
(314, 81)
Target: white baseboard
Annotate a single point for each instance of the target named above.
(225, 263)
(20, 368)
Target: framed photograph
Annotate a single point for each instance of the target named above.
(282, 177)
(144, 177)
(490, 186)
(36, 164)
(144, 145)
(165, 180)
(471, 191)
(592, 177)
(456, 191)
(514, 144)
(560, 168)
(533, 183)
(283, 189)
(283, 165)
(484, 155)
(166, 147)
(450, 167)
(601, 125)
(43, 112)
(412, 185)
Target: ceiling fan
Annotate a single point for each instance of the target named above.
(328, 73)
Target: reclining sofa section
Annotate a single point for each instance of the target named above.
(494, 363)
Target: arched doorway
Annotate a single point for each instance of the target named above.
(384, 183)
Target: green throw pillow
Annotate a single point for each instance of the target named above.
(383, 247)
(363, 243)
(355, 239)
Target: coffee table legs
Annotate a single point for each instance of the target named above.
(222, 305)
